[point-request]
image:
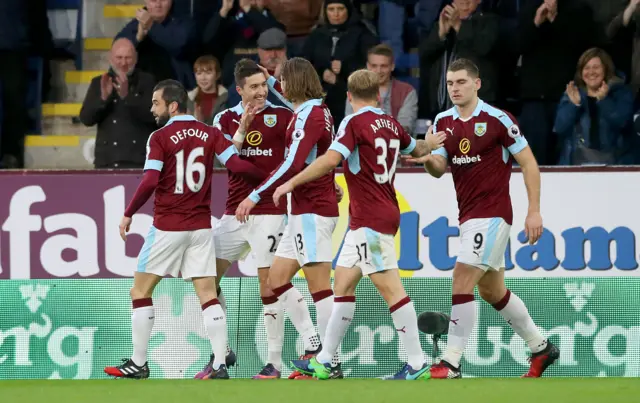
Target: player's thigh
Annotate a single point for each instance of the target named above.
(483, 243)
(491, 286)
(162, 252)
(200, 255)
(375, 254)
(285, 263)
(264, 234)
(230, 239)
(312, 237)
(143, 285)
(222, 265)
(346, 280)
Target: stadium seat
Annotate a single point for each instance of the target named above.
(76, 46)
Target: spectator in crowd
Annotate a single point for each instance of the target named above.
(298, 17)
(209, 97)
(336, 49)
(392, 20)
(233, 32)
(624, 29)
(165, 43)
(553, 35)
(119, 102)
(14, 50)
(397, 98)
(593, 113)
(462, 31)
(272, 52)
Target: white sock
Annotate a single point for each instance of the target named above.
(406, 323)
(274, 325)
(514, 311)
(223, 304)
(341, 317)
(463, 318)
(293, 302)
(216, 324)
(324, 306)
(142, 320)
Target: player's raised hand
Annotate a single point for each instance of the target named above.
(435, 140)
(533, 227)
(265, 72)
(244, 209)
(125, 225)
(248, 114)
(282, 190)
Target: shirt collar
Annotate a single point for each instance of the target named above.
(181, 118)
(476, 112)
(311, 102)
(239, 109)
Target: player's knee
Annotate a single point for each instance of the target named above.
(491, 294)
(137, 293)
(345, 290)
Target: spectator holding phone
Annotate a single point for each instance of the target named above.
(119, 102)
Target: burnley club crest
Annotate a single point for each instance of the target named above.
(270, 120)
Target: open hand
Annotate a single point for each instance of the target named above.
(125, 225)
(533, 227)
(244, 209)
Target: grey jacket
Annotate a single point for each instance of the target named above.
(124, 125)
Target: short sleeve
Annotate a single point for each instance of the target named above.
(407, 143)
(155, 153)
(511, 137)
(223, 147)
(345, 141)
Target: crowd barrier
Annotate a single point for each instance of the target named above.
(66, 310)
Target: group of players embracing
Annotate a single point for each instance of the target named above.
(271, 151)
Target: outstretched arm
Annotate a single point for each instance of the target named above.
(321, 166)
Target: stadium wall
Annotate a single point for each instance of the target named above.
(66, 311)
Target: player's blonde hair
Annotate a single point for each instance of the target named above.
(302, 81)
(364, 85)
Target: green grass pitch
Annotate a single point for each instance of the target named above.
(546, 390)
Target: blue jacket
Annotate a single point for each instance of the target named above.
(177, 37)
(615, 114)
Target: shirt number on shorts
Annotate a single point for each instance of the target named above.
(387, 175)
(477, 240)
(362, 251)
(274, 242)
(299, 243)
(188, 172)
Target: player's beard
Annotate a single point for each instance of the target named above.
(162, 120)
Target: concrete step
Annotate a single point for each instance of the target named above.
(59, 152)
(65, 126)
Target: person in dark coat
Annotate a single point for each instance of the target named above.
(336, 49)
(119, 102)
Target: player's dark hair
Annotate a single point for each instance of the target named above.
(465, 64)
(302, 81)
(173, 91)
(245, 68)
